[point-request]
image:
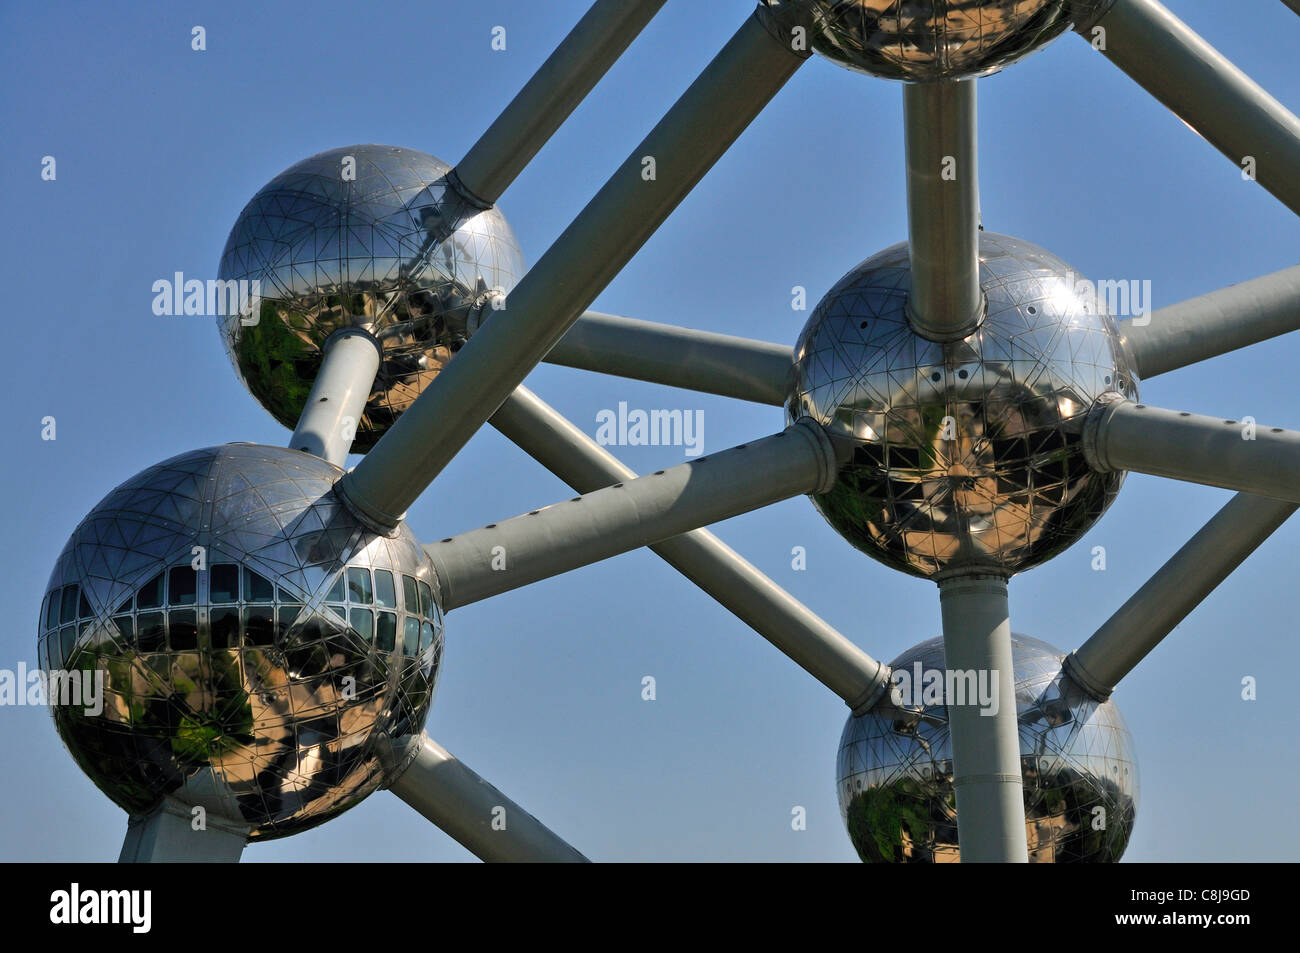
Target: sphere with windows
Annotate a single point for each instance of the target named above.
(246, 645)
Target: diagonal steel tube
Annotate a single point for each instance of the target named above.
(1293, 4)
(1204, 89)
(547, 100)
(1236, 455)
(617, 519)
(694, 134)
(338, 396)
(678, 357)
(555, 443)
(474, 813)
(986, 774)
(946, 302)
(327, 425)
(1214, 323)
(1178, 587)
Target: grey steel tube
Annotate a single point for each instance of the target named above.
(946, 302)
(736, 584)
(678, 357)
(1215, 323)
(985, 747)
(338, 396)
(698, 129)
(1175, 65)
(617, 519)
(1252, 458)
(1178, 587)
(555, 90)
(474, 813)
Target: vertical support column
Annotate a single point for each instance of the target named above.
(338, 396)
(985, 743)
(943, 204)
(167, 835)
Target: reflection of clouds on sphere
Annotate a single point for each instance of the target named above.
(894, 772)
(394, 250)
(934, 39)
(969, 453)
(265, 686)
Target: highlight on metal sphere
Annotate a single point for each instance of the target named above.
(259, 649)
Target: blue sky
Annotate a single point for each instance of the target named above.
(158, 148)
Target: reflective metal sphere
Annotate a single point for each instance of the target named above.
(264, 685)
(394, 250)
(922, 40)
(966, 453)
(894, 773)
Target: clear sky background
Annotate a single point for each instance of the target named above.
(159, 147)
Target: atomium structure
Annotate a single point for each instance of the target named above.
(961, 407)
(895, 771)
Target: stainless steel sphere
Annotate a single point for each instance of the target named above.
(393, 250)
(921, 40)
(966, 454)
(266, 684)
(894, 773)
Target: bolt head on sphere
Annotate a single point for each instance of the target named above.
(894, 772)
(266, 684)
(935, 39)
(966, 454)
(371, 237)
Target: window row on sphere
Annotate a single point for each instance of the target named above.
(178, 586)
(154, 618)
(177, 630)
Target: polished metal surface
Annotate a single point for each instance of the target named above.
(394, 251)
(894, 772)
(1011, 488)
(264, 687)
(934, 39)
(701, 125)
(270, 650)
